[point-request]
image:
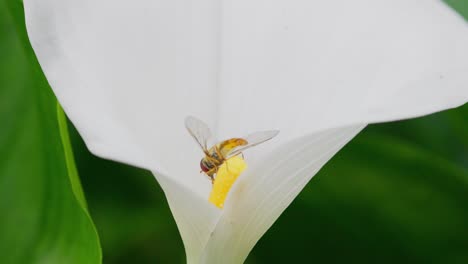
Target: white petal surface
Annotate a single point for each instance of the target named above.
(128, 72)
(194, 216)
(266, 189)
(303, 66)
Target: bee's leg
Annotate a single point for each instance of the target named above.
(212, 179)
(210, 176)
(212, 160)
(214, 170)
(211, 173)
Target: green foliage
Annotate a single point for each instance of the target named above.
(396, 194)
(44, 218)
(461, 6)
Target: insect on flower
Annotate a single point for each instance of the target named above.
(217, 154)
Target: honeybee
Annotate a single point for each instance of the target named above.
(217, 154)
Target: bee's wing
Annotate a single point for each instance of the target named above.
(199, 131)
(253, 140)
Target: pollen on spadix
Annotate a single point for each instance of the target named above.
(225, 178)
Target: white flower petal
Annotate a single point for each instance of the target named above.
(302, 66)
(305, 66)
(127, 73)
(266, 189)
(194, 216)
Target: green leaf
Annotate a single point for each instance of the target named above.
(461, 6)
(44, 217)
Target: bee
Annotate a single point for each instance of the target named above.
(217, 154)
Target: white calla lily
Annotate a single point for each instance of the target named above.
(128, 72)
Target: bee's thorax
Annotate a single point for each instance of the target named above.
(217, 154)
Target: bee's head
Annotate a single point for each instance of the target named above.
(203, 166)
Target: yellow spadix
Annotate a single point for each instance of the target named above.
(225, 178)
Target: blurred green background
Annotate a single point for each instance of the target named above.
(398, 193)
